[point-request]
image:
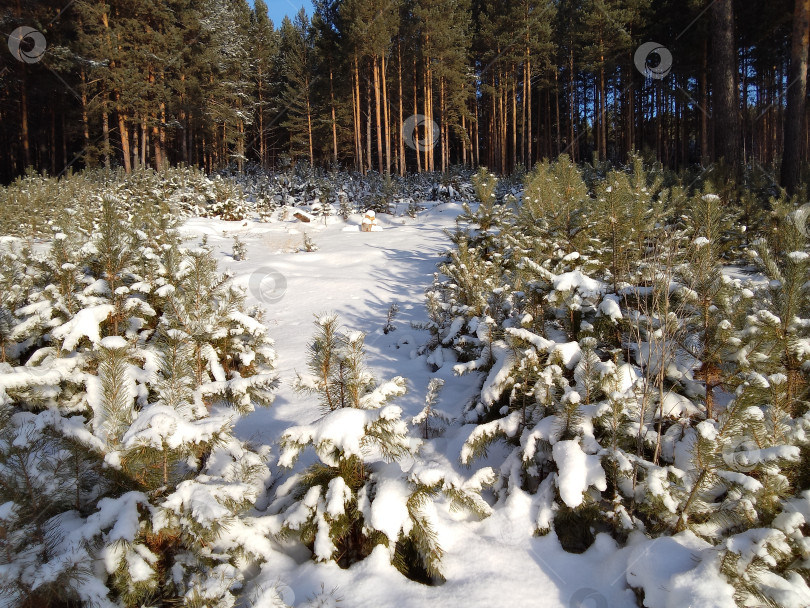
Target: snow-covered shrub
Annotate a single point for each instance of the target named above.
(239, 252)
(126, 360)
(360, 493)
(389, 320)
(485, 183)
(638, 387)
(430, 411)
(308, 244)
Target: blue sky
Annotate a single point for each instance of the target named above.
(277, 9)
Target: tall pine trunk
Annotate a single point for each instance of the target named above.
(571, 106)
(428, 115)
(724, 89)
(105, 130)
(122, 128)
(85, 115)
(368, 129)
(386, 117)
(602, 111)
(528, 94)
(557, 106)
(704, 101)
(26, 141)
(401, 142)
(378, 115)
(515, 149)
(358, 130)
(796, 94)
(309, 125)
(415, 112)
(259, 115)
(334, 120)
(124, 131)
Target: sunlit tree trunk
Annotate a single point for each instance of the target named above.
(796, 97)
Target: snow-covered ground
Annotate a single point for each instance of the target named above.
(359, 275)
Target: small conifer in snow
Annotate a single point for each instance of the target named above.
(357, 496)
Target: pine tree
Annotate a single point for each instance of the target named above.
(108, 454)
(714, 305)
(266, 48)
(556, 202)
(627, 207)
(231, 350)
(344, 504)
(430, 411)
(777, 325)
(112, 394)
(229, 90)
(296, 49)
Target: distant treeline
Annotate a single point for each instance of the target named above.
(403, 85)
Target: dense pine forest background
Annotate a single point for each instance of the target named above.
(505, 83)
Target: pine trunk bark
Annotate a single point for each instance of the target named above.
(144, 140)
(117, 94)
(528, 94)
(378, 114)
(368, 130)
(85, 116)
(401, 142)
(309, 126)
(358, 130)
(724, 90)
(105, 131)
(557, 104)
(429, 116)
(515, 149)
(124, 131)
(415, 112)
(704, 101)
(334, 119)
(443, 128)
(386, 117)
(26, 140)
(571, 105)
(796, 97)
(162, 135)
(602, 112)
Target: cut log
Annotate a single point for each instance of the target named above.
(303, 216)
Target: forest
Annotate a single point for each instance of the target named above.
(501, 83)
(404, 303)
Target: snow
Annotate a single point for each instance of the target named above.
(357, 275)
(498, 375)
(575, 280)
(577, 472)
(323, 547)
(626, 376)
(159, 425)
(540, 343)
(340, 430)
(677, 406)
(113, 342)
(678, 571)
(84, 324)
(381, 394)
(609, 307)
(337, 496)
(389, 510)
(569, 353)
(494, 561)
(203, 500)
